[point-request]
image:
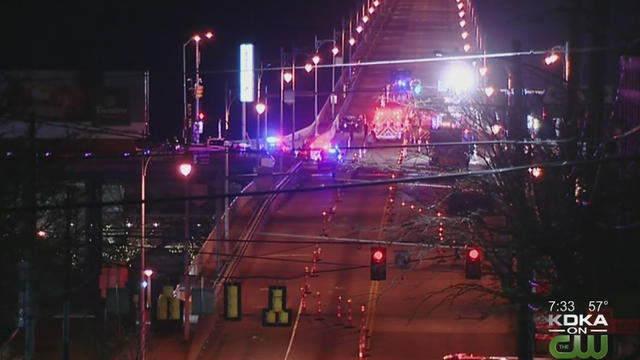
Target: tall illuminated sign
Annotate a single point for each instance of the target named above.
(247, 90)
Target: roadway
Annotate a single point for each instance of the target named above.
(415, 312)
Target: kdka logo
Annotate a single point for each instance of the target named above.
(582, 336)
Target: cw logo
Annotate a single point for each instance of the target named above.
(560, 347)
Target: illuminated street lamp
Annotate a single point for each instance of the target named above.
(489, 91)
(260, 108)
(315, 59)
(554, 56)
(308, 67)
(287, 77)
(335, 51)
(41, 234)
(376, 3)
(467, 47)
(352, 41)
(465, 35)
(460, 6)
(483, 70)
(365, 19)
(372, 10)
(185, 169)
(461, 13)
(187, 126)
(359, 29)
(462, 23)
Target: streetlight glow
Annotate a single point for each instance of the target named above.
(465, 35)
(209, 35)
(315, 59)
(260, 108)
(148, 272)
(462, 23)
(483, 70)
(185, 169)
(551, 59)
(359, 29)
(197, 38)
(308, 67)
(460, 6)
(287, 77)
(371, 10)
(335, 51)
(365, 19)
(461, 13)
(41, 234)
(467, 47)
(352, 41)
(376, 3)
(489, 91)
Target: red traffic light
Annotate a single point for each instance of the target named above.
(377, 255)
(201, 116)
(473, 254)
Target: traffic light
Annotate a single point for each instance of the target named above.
(199, 91)
(378, 263)
(472, 263)
(201, 116)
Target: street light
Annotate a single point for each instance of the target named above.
(359, 29)
(335, 51)
(352, 41)
(187, 125)
(365, 19)
(461, 13)
(465, 35)
(483, 70)
(185, 169)
(554, 56)
(308, 67)
(287, 77)
(260, 108)
(467, 47)
(462, 23)
(489, 91)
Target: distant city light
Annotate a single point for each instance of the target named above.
(148, 272)
(536, 172)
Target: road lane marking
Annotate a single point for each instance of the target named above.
(293, 332)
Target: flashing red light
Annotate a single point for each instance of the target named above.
(473, 254)
(377, 255)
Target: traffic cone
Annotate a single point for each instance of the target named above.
(349, 313)
(319, 313)
(307, 286)
(314, 264)
(339, 310)
(304, 302)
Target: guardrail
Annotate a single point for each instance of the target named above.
(262, 204)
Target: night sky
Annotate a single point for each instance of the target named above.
(148, 35)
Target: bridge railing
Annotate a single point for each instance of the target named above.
(327, 124)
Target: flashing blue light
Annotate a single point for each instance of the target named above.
(273, 139)
(126, 154)
(87, 154)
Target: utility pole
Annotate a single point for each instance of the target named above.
(518, 131)
(67, 276)
(293, 116)
(570, 126)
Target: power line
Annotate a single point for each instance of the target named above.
(434, 177)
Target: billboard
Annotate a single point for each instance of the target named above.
(72, 104)
(247, 90)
